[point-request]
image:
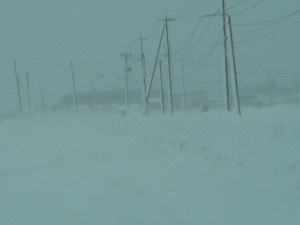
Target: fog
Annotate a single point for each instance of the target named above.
(44, 37)
(149, 112)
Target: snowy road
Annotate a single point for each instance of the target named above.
(212, 169)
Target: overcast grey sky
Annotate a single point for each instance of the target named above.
(44, 36)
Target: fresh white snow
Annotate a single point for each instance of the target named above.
(211, 168)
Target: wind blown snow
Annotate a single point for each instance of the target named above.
(211, 168)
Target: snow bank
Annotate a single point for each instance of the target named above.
(210, 168)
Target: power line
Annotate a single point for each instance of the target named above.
(268, 25)
(186, 5)
(269, 21)
(237, 4)
(98, 62)
(41, 63)
(271, 33)
(67, 64)
(200, 38)
(190, 38)
(153, 29)
(175, 5)
(248, 9)
(198, 58)
(196, 10)
(203, 83)
(214, 47)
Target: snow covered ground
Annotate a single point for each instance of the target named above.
(210, 168)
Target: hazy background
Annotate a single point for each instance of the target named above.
(45, 36)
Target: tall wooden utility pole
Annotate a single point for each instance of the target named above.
(28, 94)
(74, 88)
(274, 86)
(226, 56)
(183, 86)
(126, 77)
(296, 86)
(236, 92)
(126, 58)
(95, 101)
(162, 100)
(155, 63)
(18, 88)
(43, 103)
(270, 88)
(143, 60)
(169, 62)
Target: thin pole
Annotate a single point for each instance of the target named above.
(144, 77)
(183, 87)
(234, 68)
(43, 103)
(270, 89)
(74, 88)
(274, 91)
(155, 63)
(18, 88)
(226, 57)
(169, 65)
(126, 81)
(297, 92)
(28, 94)
(95, 101)
(145, 87)
(161, 89)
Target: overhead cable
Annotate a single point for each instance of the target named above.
(269, 21)
(199, 39)
(214, 47)
(235, 5)
(270, 33)
(248, 9)
(196, 10)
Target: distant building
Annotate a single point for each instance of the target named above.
(253, 100)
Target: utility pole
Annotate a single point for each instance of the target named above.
(126, 57)
(18, 88)
(183, 86)
(155, 63)
(297, 92)
(28, 94)
(95, 100)
(226, 56)
(270, 88)
(43, 103)
(236, 93)
(74, 88)
(143, 60)
(162, 101)
(126, 74)
(169, 61)
(274, 91)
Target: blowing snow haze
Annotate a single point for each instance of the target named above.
(43, 37)
(149, 112)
